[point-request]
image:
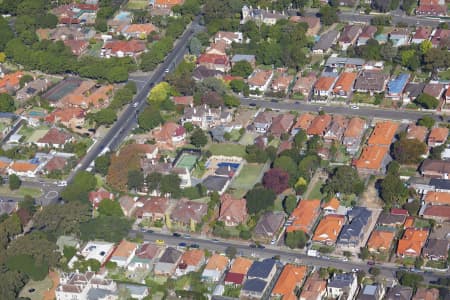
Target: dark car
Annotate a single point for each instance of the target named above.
(182, 245)
(370, 262)
(252, 246)
(274, 101)
(176, 234)
(261, 246)
(149, 231)
(196, 246)
(252, 104)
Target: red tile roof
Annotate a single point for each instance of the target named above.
(55, 137)
(232, 210)
(324, 83)
(216, 59)
(319, 125)
(132, 46)
(234, 278)
(345, 82)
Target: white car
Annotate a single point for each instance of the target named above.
(354, 107)
(135, 104)
(62, 183)
(273, 242)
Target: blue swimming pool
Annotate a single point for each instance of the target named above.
(34, 113)
(227, 164)
(123, 15)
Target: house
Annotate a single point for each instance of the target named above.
(396, 86)
(10, 82)
(214, 269)
(206, 117)
(373, 160)
(138, 292)
(54, 138)
(303, 122)
(78, 47)
(371, 292)
(281, 124)
(436, 249)
(412, 242)
(229, 37)
(409, 222)
(263, 121)
(390, 219)
(368, 33)
(188, 213)
(78, 286)
(434, 89)
(336, 129)
(328, 229)
(232, 211)
(383, 134)
(435, 168)
(438, 136)
(304, 216)
(268, 225)
(128, 205)
(70, 117)
(131, 48)
(331, 207)
(343, 87)
(399, 292)
(145, 257)
(216, 62)
(342, 286)
(289, 282)
(431, 8)
(214, 183)
(304, 84)
(416, 132)
(152, 209)
(421, 34)
(325, 42)
(138, 31)
(32, 88)
(282, 83)
(348, 63)
(371, 81)
(380, 240)
(55, 163)
(314, 288)
(352, 234)
(95, 197)
(98, 250)
(349, 36)
(437, 198)
(440, 37)
(191, 261)
(251, 59)
(353, 134)
(165, 3)
(202, 72)
(169, 135)
(124, 253)
(7, 208)
(259, 277)
(412, 91)
(183, 100)
(312, 22)
(87, 95)
(319, 125)
(22, 168)
(259, 81)
(168, 262)
(238, 271)
(426, 294)
(323, 87)
(439, 213)
(399, 36)
(261, 15)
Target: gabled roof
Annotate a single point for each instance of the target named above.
(241, 265)
(55, 163)
(437, 166)
(232, 209)
(436, 248)
(371, 158)
(438, 134)
(319, 125)
(412, 241)
(185, 211)
(281, 123)
(416, 132)
(437, 198)
(313, 287)
(383, 133)
(259, 77)
(148, 251)
(153, 205)
(217, 262)
(381, 240)
(434, 89)
(269, 223)
(422, 33)
(437, 211)
(170, 256)
(193, 257)
(261, 269)
(289, 280)
(349, 33)
(254, 285)
(426, 294)
(304, 121)
(132, 46)
(216, 59)
(65, 115)
(345, 82)
(332, 204)
(22, 166)
(125, 249)
(304, 215)
(329, 228)
(355, 128)
(390, 219)
(324, 83)
(234, 278)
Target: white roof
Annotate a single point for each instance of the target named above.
(97, 250)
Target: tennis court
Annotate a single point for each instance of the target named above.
(186, 160)
(63, 88)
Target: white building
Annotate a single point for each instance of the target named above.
(79, 286)
(98, 250)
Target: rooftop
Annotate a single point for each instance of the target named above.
(383, 133)
(371, 158)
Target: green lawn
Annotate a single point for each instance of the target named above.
(422, 223)
(408, 171)
(248, 176)
(315, 192)
(445, 75)
(137, 4)
(21, 192)
(227, 149)
(248, 138)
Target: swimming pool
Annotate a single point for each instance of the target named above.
(227, 164)
(35, 113)
(123, 15)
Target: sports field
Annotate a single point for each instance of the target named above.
(186, 160)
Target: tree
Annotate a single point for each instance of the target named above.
(199, 138)
(286, 163)
(106, 116)
(14, 182)
(135, 180)
(237, 85)
(25, 79)
(300, 139)
(276, 180)
(289, 204)
(344, 179)
(296, 239)
(436, 152)
(242, 69)
(374, 271)
(78, 190)
(426, 121)
(427, 101)
(364, 253)
(170, 184)
(393, 191)
(259, 199)
(150, 118)
(109, 207)
(195, 46)
(212, 99)
(6, 103)
(159, 93)
(102, 164)
(328, 15)
(231, 252)
(28, 204)
(109, 228)
(408, 151)
(409, 279)
(231, 101)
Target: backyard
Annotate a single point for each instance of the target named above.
(227, 149)
(248, 177)
(137, 4)
(41, 290)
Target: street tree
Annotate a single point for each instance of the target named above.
(427, 101)
(150, 118)
(159, 93)
(135, 180)
(296, 239)
(14, 182)
(426, 121)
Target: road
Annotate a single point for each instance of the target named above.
(286, 255)
(362, 111)
(125, 122)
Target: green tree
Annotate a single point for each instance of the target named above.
(344, 179)
(150, 118)
(287, 164)
(199, 138)
(109, 207)
(28, 204)
(135, 180)
(106, 116)
(231, 252)
(170, 184)
(426, 121)
(102, 164)
(231, 101)
(408, 151)
(289, 204)
(159, 93)
(259, 199)
(6, 103)
(14, 182)
(25, 79)
(409, 279)
(436, 152)
(328, 15)
(300, 139)
(237, 85)
(296, 239)
(364, 253)
(78, 190)
(374, 271)
(108, 228)
(195, 46)
(427, 101)
(393, 191)
(242, 68)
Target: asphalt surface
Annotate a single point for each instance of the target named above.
(346, 110)
(387, 271)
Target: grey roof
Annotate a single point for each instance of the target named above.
(326, 40)
(171, 256)
(370, 289)
(95, 294)
(254, 285)
(440, 184)
(438, 166)
(270, 222)
(399, 292)
(223, 171)
(441, 231)
(203, 72)
(359, 218)
(436, 247)
(7, 115)
(342, 280)
(414, 89)
(135, 289)
(241, 57)
(261, 269)
(333, 60)
(215, 183)
(371, 80)
(390, 219)
(419, 180)
(217, 133)
(7, 207)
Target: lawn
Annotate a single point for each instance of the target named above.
(21, 192)
(422, 223)
(40, 287)
(445, 75)
(137, 4)
(227, 149)
(407, 171)
(248, 177)
(248, 138)
(315, 193)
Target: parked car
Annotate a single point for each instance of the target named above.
(160, 242)
(195, 246)
(176, 234)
